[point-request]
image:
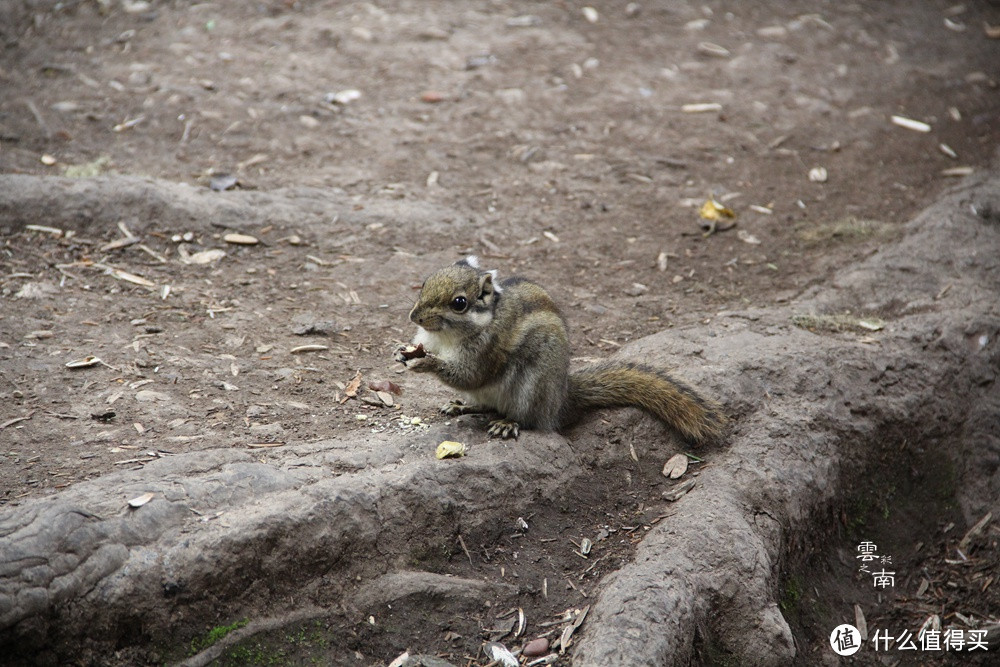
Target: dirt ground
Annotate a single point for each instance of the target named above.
(560, 145)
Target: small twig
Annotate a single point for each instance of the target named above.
(465, 549)
(39, 118)
(120, 243)
(141, 460)
(595, 563)
(187, 131)
(15, 420)
(152, 253)
(61, 415)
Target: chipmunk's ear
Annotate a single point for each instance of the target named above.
(495, 280)
(486, 286)
(471, 261)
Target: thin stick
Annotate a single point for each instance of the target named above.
(465, 549)
(39, 118)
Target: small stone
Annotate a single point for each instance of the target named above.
(221, 182)
(432, 97)
(343, 97)
(240, 239)
(817, 175)
(772, 32)
(317, 328)
(65, 106)
(536, 647)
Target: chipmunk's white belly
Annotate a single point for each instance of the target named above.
(440, 344)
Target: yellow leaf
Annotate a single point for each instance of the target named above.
(450, 449)
(713, 210)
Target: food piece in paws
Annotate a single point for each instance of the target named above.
(413, 352)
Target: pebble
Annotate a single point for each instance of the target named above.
(317, 328)
(65, 107)
(772, 32)
(536, 647)
(222, 182)
(240, 239)
(343, 96)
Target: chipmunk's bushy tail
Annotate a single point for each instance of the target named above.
(625, 384)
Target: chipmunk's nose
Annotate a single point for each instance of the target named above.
(415, 316)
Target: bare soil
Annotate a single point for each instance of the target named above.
(552, 146)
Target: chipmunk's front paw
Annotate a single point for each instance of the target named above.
(503, 429)
(453, 408)
(426, 364)
(405, 353)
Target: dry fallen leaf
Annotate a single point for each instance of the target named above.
(860, 623)
(86, 362)
(500, 655)
(675, 466)
(352, 388)
(385, 385)
(139, 501)
(678, 491)
(450, 449)
(713, 210)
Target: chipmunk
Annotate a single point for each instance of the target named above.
(504, 344)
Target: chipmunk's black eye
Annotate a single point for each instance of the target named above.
(459, 303)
